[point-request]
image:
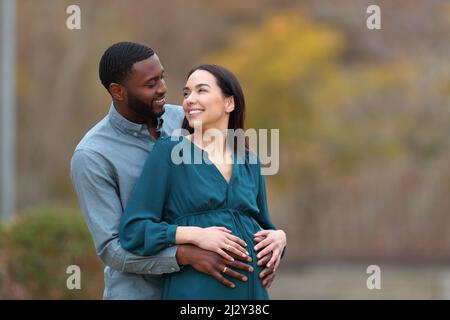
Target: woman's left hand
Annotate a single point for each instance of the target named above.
(274, 241)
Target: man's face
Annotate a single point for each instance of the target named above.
(146, 88)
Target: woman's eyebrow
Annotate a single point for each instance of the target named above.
(197, 86)
(202, 84)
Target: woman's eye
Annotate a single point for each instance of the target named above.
(185, 94)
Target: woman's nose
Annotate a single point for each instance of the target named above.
(189, 99)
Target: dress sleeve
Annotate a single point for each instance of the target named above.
(142, 230)
(264, 218)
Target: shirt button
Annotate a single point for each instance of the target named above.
(173, 269)
(135, 134)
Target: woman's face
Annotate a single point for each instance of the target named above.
(204, 103)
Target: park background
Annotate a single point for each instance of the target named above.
(364, 127)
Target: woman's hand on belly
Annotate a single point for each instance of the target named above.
(273, 243)
(215, 239)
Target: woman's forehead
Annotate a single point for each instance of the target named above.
(201, 76)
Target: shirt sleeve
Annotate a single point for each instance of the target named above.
(97, 191)
(142, 229)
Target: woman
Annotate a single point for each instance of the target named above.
(218, 204)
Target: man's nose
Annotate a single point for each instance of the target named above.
(162, 88)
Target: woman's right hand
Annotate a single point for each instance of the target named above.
(219, 240)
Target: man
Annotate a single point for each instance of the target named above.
(108, 161)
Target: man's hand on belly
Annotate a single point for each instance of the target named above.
(213, 264)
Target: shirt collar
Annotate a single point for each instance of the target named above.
(132, 128)
(159, 127)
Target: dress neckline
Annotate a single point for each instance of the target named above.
(212, 164)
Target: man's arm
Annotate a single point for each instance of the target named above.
(98, 194)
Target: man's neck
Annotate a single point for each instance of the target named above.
(130, 115)
(155, 133)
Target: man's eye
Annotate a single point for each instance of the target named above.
(185, 94)
(151, 86)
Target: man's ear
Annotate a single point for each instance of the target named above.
(229, 104)
(117, 91)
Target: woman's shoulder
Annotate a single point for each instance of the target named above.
(248, 157)
(161, 152)
(165, 145)
(168, 142)
(250, 160)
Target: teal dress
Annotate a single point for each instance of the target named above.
(169, 194)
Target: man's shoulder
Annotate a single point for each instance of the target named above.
(173, 117)
(173, 110)
(95, 140)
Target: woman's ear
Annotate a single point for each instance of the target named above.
(229, 104)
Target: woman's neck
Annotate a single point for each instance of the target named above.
(211, 138)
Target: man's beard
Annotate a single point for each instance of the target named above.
(143, 109)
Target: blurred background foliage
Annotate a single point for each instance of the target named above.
(363, 118)
(36, 250)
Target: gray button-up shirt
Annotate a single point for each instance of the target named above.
(104, 169)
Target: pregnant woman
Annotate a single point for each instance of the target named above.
(218, 203)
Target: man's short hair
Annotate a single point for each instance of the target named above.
(117, 61)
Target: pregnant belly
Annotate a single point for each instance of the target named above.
(191, 284)
(242, 224)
